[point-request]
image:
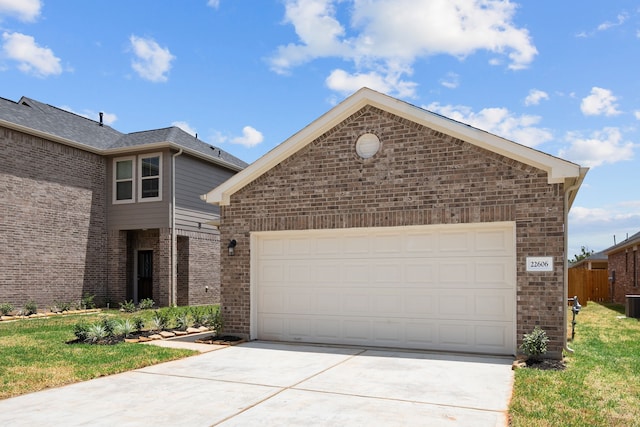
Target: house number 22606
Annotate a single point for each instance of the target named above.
(541, 263)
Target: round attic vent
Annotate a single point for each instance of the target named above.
(367, 145)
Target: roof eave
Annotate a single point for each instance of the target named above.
(172, 145)
(49, 136)
(558, 170)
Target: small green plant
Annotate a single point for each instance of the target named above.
(6, 308)
(96, 333)
(138, 323)
(109, 325)
(198, 316)
(160, 320)
(30, 308)
(183, 321)
(214, 319)
(534, 344)
(81, 330)
(60, 306)
(88, 301)
(125, 328)
(146, 304)
(128, 306)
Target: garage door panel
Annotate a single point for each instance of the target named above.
(441, 288)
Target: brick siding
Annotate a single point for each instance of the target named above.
(198, 268)
(627, 280)
(52, 221)
(420, 176)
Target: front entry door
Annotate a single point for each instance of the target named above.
(145, 275)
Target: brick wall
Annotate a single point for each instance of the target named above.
(419, 177)
(52, 221)
(198, 268)
(627, 280)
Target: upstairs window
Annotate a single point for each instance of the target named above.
(123, 172)
(150, 179)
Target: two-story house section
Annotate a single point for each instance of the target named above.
(86, 209)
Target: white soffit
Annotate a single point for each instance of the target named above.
(558, 170)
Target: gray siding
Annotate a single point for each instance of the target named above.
(140, 215)
(194, 178)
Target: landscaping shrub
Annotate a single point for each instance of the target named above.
(81, 330)
(87, 301)
(161, 320)
(183, 321)
(534, 344)
(109, 325)
(128, 306)
(30, 308)
(125, 328)
(96, 333)
(146, 304)
(6, 308)
(138, 323)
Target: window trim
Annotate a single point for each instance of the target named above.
(140, 178)
(132, 179)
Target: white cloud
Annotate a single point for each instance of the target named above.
(622, 17)
(107, 118)
(185, 127)
(342, 81)
(499, 121)
(31, 58)
(601, 101)
(250, 137)
(596, 227)
(24, 10)
(213, 3)
(152, 62)
(451, 81)
(605, 146)
(383, 38)
(535, 96)
(637, 114)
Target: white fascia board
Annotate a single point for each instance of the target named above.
(558, 170)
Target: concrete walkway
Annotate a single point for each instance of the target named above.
(274, 384)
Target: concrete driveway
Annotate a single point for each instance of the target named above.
(274, 384)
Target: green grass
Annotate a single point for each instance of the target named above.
(34, 354)
(599, 387)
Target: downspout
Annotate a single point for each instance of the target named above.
(567, 193)
(173, 295)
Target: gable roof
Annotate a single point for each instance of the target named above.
(631, 241)
(49, 122)
(558, 170)
(594, 257)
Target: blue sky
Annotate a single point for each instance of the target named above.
(562, 77)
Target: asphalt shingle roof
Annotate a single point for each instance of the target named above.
(54, 121)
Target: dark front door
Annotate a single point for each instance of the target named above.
(145, 275)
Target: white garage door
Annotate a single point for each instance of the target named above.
(446, 288)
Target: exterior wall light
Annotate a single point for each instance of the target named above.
(232, 247)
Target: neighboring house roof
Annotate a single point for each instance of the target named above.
(558, 170)
(631, 241)
(43, 120)
(596, 256)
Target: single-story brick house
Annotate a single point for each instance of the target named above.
(595, 261)
(86, 209)
(624, 264)
(384, 224)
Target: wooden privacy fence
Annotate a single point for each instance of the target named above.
(589, 285)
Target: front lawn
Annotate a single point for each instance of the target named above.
(599, 387)
(34, 354)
